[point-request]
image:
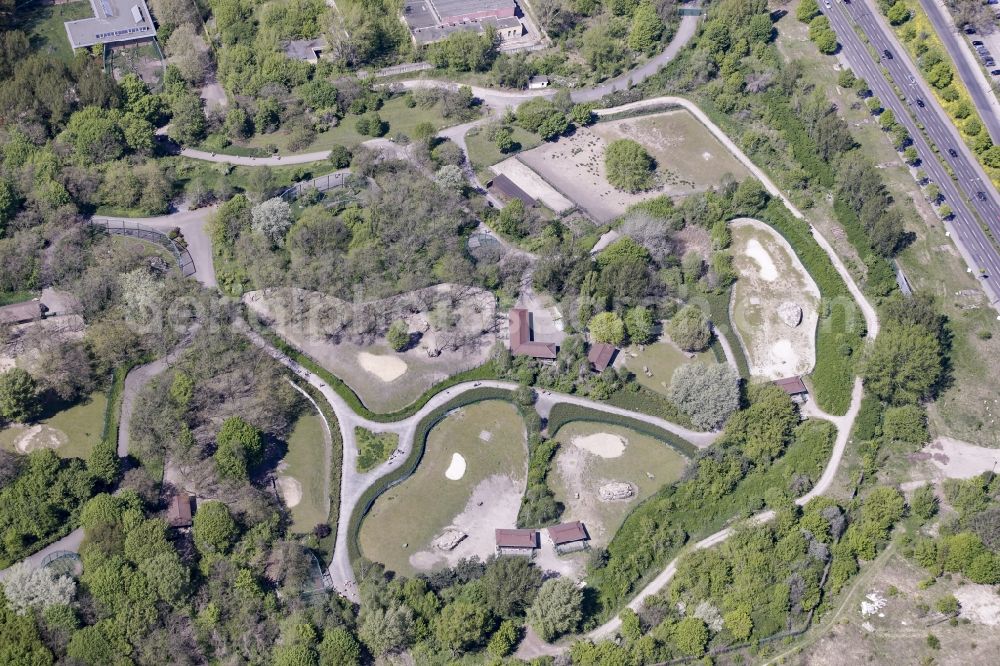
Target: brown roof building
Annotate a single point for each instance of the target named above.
(791, 385)
(179, 510)
(522, 337)
(509, 189)
(21, 313)
(567, 537)
(600, 355)
(516, 542)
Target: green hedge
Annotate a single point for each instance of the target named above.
(563, 413)
(485, 371)
(409, 465)
(637, 398)
(719, 305)
(336, 463)
(839, 337)
(880, 279)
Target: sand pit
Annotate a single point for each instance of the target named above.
(485, 435)
(38, 437)
(386, 368)
(768, 271)
(603, 444)
(979, 603)
(291, 490)
(783, 353)
(456, 470)
(955, 459)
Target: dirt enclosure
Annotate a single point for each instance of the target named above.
(774, 304)
(452, 329)
(689, 159)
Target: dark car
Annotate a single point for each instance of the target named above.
(953, 152)
(970, 30)
(920, 103)
(995, 72)
(976, 42)
(887, 54)
(981, 196)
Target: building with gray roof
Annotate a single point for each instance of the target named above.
(113, 22)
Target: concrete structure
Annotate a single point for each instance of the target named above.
(22, 313)
(516, 542)
(510, 190)
(538, 82)
(569, 537)
(114, 22)
(522, 340)
(600, 355)
(308, 50)
(433, 20)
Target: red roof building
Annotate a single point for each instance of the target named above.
(569, 537)
(516, 542)
(600, 355)
(791, 385)
(521, 337)
(179, 510)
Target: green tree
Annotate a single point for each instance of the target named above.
(708, 394)
(94, 135)
(639, 324)
(923, 502)
(388, 630)
(739, 623)
(187, 124)
(647, 28)
(607, 327)
(214, 529)
(542, 117)
(628, 166)
(557, 608)
(238, 448)
(371, 124)
(513, 219)
(691, 636)
(461, 625)
(503, 140)
(582, 114)
(339, 647)
(898, 14)
(398, 336)
(18, 396)
(102, 462)
(904, 365)
(511, 584)
(504, 639)
(807, 11)
(689, 329)
(906, 424)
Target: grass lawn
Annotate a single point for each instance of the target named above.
(662, 358)
(417, 510)
(76, 429)
(11, 297)
(374, 448)
(44, 25)
(646, 463)
(484, 153)
(305, 462)
(395, 113)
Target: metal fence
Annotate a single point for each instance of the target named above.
(322, 184)
(117, 227)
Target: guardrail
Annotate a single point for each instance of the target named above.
(118, 227)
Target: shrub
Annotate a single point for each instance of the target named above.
(689, 329)
(629, 167)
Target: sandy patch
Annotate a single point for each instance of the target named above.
(954, 459)
(768, 271)
(290, 489)
(485, 435)
(456, 469)
(7, 363)
(603, 444)
(386, 368)
(528, 180)
(494, 503)
(979, 603)
(783, 353)
(39, 437)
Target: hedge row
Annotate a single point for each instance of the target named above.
(719, 305)
(839, 334)
(563, 413)
(881, 278)
(409, 465)
(485, 371)
(637, 398)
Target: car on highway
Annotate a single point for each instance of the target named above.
(913, 81)
(920, 103)
(995, 72)
(953, 152)
(981, 196)
(976, 42)
(887, 54)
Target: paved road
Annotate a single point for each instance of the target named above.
(972, 242)
(844, 425)
(967, 64)
(192, 225)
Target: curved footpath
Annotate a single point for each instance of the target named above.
(844, 424)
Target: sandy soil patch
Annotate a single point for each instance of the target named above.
(768, 271)
(524, 177)
(689, 159)
(26, 342)
(38, 437)
(771, 276)
(953, 459)
(290, 489)
(453, 328)
(456, 469)
(485, 435)
(603, 444)
(494, 503)
(386, 368)
(979, 603)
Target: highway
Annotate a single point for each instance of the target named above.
(966, 65)
(962, 196)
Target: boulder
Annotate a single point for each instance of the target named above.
(448, 539)
(616, 490)
(790, 313)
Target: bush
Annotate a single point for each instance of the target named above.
(689, 329)
(708, 394)
(371, 124)
(629, 167)
(607, 327)
(398, 336)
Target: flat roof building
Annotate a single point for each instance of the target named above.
(522, 337)
(461, 11)
(510, 189)
(113, 22)
(433, 20)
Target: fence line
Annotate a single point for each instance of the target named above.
(322, 184)
(117, 227)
